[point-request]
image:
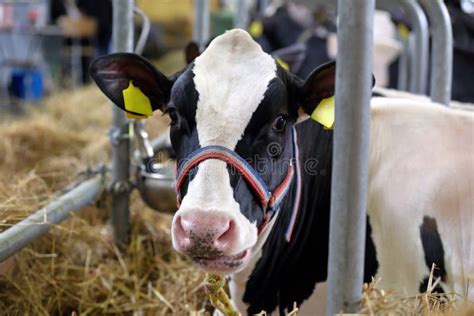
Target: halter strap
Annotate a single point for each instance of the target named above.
(298, 186)
(232, 159)
(270, 201)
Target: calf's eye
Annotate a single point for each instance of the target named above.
(173, 115)
(279, 124)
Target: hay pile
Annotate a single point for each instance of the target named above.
(44, 151)
(376, 301)
(77, 268)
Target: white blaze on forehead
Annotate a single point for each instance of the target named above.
(231, 77)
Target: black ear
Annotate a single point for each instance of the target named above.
(191, 51)
(114, 73)
(319, 85)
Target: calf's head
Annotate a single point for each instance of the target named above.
(233, 96)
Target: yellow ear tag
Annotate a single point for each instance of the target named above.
(403, 31)
(136, 116)
(256, 29)
(282, 63)
(324, 113)
(135, 101)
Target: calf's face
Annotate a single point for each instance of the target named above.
(236, 96)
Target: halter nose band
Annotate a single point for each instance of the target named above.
(270, 200)
(230, 158)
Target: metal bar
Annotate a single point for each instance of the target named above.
(23, 233)
(350, 155)
(441, 50)
(413, 64)
(262, 6)
(145, 149)
(403, 66)
(76, 62)
(240, 14)
(161, 142)
(146, 26)
(201, 22)
(419, 63)
(122, 37)
(404, 62)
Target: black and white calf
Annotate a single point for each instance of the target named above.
(255, 176)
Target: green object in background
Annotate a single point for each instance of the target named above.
(221, 21)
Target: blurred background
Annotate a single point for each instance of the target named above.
(47, 45)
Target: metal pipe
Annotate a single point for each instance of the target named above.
(240, 14)
(145, 149)
(201, 22)
(413, 72)
(76, 62)
(441, 50)
(23, 233)
(262, 6)
(161, 142)
(122, 38)
(146, 26)
(419, 62)
(413, 64)
(403, 66)
(404, 62)
(350, 155)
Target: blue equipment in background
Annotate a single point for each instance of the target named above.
(27, 84)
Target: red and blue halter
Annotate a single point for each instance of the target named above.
(271, 201)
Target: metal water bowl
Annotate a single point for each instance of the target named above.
(156, 182)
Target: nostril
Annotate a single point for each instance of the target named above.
(181, 238)
(227, 234)
(187, 224)
(179, 229)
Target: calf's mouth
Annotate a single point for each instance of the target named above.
(222, 263)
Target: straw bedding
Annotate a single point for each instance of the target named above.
(76, 269)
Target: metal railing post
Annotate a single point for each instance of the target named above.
(201, 22)
(419, 63)
(262, 6)
(240, 14)
(413, 64)
(350, 155)
(146, 26)
(405, 57)
(441, 50)
(122, 39)
(403, 65)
